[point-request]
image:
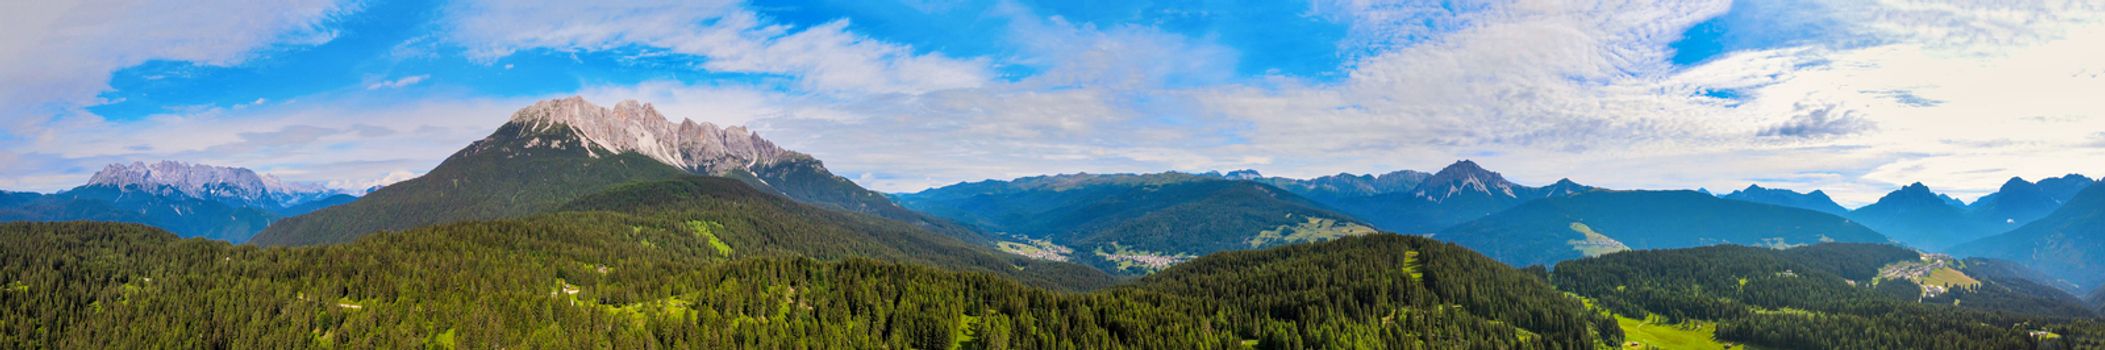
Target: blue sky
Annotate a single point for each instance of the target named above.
(1855, 98)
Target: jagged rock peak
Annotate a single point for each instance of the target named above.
(632, 126)
(196, 180)
(1463, 176)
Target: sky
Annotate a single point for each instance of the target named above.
(1856, 98)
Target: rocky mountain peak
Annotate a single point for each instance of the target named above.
(632, 126)
(169, 176)
(1464, 176)
(203, 181)
(1405, 175)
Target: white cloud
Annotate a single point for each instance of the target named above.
(1539, 89)
(824, 58)
(397, 83)
(1958, 97)
(57, 55)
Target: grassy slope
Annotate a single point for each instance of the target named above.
(1695, 335)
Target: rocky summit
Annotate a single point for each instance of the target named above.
(1464, 176)
(227, 184)
(632, 126)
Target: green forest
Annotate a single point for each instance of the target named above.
(597, 279)
(1827, 296)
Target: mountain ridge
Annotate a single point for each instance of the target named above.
(1816, 200)
(1458, 193)
(1556, 229)
(1133, 223)
(555, 150)
(1920, 217)
(2068, 244)
(192, 200)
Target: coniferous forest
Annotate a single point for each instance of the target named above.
(589, 280)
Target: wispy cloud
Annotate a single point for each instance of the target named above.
(397, 83)
(1887, 93)
(59, 54)
(825, 57)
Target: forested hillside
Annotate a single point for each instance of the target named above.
(599, 280)
(746, 222)
(498, 177)
(1398, 280)
(1832, 296)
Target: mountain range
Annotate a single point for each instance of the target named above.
(1555, 229)
(1815, 200)
(1416, 202)
(2068, 244)
(1134, 223)
(192, 200)
(1925, 219)
(1334, 187)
